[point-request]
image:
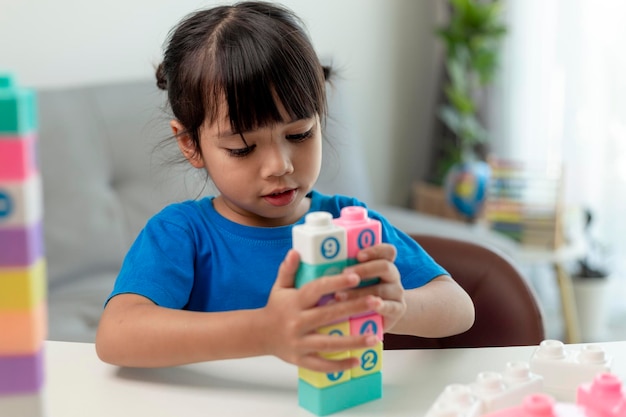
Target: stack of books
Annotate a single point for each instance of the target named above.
(525, 203)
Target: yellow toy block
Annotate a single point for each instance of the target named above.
(320, 379)
(371, 360)
(23, 331)
(22, 288)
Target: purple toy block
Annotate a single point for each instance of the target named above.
(21, 374)
(21, 246)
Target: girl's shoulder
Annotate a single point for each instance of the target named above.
(182, 213)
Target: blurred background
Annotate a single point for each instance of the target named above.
(555, 105)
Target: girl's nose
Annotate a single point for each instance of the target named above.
(277, 161)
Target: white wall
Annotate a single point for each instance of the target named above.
(384, 48)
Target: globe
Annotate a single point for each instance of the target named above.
(466, 186)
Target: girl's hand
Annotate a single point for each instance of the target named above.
(291, 318)
(377, 262)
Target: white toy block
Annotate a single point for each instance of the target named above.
(564, 369)
(490, 392)
(21, 202)
(25, 405)
(497, 390)
(318, 240)
(456, 400)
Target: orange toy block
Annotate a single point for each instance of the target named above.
(23, 331)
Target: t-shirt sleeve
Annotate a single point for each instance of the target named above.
(416, 266)
(159, 264)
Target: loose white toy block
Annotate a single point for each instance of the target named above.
(456, 400)
(497, 391)
(564, 369)
(491, 391)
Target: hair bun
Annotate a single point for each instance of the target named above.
(161, 79)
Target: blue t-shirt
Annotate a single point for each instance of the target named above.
(190, 257)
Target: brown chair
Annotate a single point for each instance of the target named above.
(507, 312)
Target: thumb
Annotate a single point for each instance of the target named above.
(287, 270)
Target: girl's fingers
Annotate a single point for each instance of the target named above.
(328, 366)
(315, 318)
(287, 270)
(312, 292)
(383, 251)
(386, 271)
(329, 344)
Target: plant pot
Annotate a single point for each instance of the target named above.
(431, 199)
(592, 304)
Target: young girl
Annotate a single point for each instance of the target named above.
(214, 278)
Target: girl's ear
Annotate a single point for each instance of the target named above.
(186, 145)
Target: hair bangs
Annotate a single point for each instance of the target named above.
(256, 71)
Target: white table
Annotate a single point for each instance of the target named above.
(79, 384)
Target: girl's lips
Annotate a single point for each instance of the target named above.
(281, 199)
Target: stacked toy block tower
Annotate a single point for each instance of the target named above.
(23, 314)
(326, 246)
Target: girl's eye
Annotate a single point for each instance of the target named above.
(300, 137)
(241, 152)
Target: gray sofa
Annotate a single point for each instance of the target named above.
(105, 172)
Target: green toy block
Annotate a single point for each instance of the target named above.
(307, 273)
(18, 107)
(325, 401)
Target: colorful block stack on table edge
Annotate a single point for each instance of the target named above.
(326, 246)
(23, 312)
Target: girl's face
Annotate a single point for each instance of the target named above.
(264, 183)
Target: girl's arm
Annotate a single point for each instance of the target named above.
(135, 332)
(438, 309)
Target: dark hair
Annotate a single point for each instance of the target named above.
(253, 55)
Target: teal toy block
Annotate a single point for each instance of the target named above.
(307, 273)
(18, 107)
(357, 391)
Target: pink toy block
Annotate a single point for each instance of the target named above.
(17, 157)
(369, 324)
(603, 397)
(362, 232)
(540, 405)
(565, 368)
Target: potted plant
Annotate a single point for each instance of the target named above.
(472, 38)
(590, 281)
